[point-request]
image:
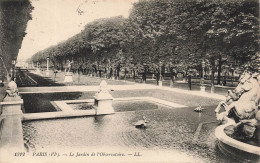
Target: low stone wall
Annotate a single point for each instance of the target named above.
(11, 133)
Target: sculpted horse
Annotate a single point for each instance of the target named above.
(233, 95)
(245, 104)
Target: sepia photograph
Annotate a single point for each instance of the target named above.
(129, 81)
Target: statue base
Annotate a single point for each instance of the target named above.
(171, 83)
(160, 84)
(47, 73)
(103, 100)
(12, 106)
(104, 106)
(202, 88)
(38, 71)
(11, 127)
(212, 89)
(68, 77)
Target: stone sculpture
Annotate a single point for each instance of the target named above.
(103, 100)
(12, 92)
(68, 74)
(68, 66)
(242, 106)
(103, 92)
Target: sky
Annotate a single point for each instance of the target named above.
(54, 21)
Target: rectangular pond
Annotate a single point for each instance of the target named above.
(170, 129)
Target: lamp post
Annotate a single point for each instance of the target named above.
(202, 87)
(160, 74)
(47, 71)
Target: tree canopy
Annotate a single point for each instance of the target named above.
(173, 33)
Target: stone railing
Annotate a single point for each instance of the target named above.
(11, 133)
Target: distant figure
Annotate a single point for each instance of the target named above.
(68, 66)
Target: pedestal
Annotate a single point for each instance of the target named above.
(12, 106)
(11, 132)
(171, 83)
(38, 71)
(202, 88)
(160, 83)
(104, 106)
(68, 77)
(212, 89)
(47, 73)
(103, 100)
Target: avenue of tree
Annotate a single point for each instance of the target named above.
(14, 16)
(166, 35)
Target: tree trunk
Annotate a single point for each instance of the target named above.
(219, 69)
(125, 74)
(95, 72)
(157, 77)
(100, 73)
(171, 74)
(117, 72)
(163, 71)
(111, 73)
(144, 75)
(212, 76)
(134, 75)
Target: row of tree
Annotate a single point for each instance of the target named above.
(173, 34)
(14, 16)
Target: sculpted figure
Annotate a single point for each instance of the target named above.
(241, 103)
(232, 95)
(12, 92)
(242, 106)
(103, 91)
(68, 66)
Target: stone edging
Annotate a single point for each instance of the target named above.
(221, 136)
